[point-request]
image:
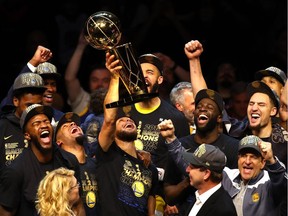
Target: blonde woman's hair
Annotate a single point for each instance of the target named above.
(53, 193)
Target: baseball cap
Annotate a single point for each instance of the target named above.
(33, 110)
(152, 59)
(28, 80)
(249, 142)
(208, 156)
(67, 117)
(272, 71)
(258, 86)
(211, 94)
(47, 70)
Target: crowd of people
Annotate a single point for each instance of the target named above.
(187, 146)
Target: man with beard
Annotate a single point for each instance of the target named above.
(19, 181)
(149, 113)
(207, 118)
(69, 136)
(126, 185)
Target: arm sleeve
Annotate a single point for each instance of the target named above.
(278, 180)
(175, 150)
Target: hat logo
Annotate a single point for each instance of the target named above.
(274, 69)
(256, 84)
(40, 109)
(210, 93)
(45, 68)
(28, 79)
(249, 140)
(200, 151)
(68, 116)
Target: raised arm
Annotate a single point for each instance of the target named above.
(277, 172)
(175, 148)
(107, 133)
(73, 85)
(41, 55)
(193, 49)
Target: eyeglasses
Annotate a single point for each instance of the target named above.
(75, 186)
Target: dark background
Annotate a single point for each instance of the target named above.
(250, 34)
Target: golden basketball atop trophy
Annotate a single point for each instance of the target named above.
(102, 30)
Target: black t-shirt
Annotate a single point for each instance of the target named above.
(279, 141)
(12, 139)
(90, 186)
(20, 180)
(149, 138)
(124, 183)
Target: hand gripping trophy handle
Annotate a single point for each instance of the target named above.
(103, 32)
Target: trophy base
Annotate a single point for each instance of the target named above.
(131, 100)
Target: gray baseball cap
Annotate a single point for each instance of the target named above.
(28, 80)
(208, 156)
(33, 110)
(249, 142)
(47, 70)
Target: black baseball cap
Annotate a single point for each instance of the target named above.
(33, 110)
(211, 94)
(152, 59)
(67, 117)
(274, 72)
(208, 156)
(258, 86)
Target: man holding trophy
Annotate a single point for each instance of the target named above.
(139, 98)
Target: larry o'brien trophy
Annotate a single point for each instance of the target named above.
(103, 32)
